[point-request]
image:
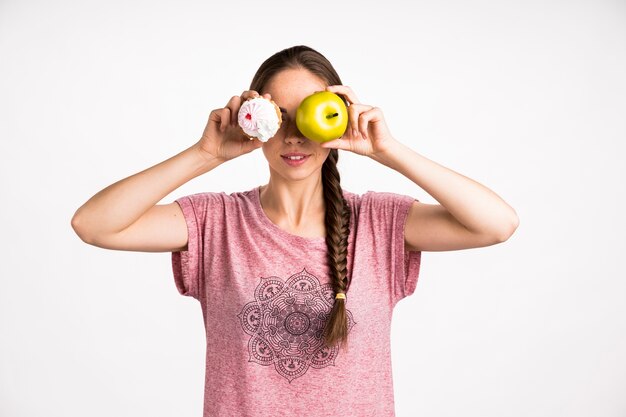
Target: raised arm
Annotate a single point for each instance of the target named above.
(125, 216)
(469, 215)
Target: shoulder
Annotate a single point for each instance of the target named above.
(385, 197)
(378, 203)
(353, 199)
(202, 197)
(222, 196)
(383, 206)
(213, 201)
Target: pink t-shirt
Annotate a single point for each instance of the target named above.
(265, 293)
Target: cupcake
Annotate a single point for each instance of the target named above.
(259, 117)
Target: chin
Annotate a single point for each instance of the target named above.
(294, 174)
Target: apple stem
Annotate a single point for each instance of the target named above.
(332, 115)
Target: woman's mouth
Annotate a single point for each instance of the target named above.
(295, 160)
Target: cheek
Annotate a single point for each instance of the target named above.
(270, 145)
(323, 153)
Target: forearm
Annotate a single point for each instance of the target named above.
(475, 206)
(120, 204)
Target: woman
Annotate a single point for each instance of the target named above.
(288, 272)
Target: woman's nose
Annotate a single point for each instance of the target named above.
(294, 136)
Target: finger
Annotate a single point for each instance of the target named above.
(233, 104)
(248, 94)
(345, 91)
(374, 115)
(353, 117)
(354, 112)
(335, 144)
(251, 145)
(220, 117)
(224, 115)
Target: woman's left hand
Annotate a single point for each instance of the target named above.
(367, 133)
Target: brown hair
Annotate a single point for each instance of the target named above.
(337, 218)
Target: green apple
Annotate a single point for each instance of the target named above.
(322, 116)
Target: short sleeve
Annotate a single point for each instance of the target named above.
(391, 211)
(188, 266)
(407, 262)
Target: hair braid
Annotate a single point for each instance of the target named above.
(337, 218)
(337, 222)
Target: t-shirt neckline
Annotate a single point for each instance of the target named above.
(319, 241)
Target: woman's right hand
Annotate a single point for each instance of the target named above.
(223, 138)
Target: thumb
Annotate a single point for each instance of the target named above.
(332, 144)
(252, 145)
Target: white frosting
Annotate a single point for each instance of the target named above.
(257, 117)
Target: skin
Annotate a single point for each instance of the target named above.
(293, 198)
(468, 215)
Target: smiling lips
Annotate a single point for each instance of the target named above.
(295, 158)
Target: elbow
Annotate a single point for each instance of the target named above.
(76, 226)
(508, 231)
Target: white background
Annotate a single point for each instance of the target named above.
(525, 97)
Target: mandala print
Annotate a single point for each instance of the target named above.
(286, 321)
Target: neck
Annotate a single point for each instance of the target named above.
(295, 205)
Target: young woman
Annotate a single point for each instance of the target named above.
(288, 272)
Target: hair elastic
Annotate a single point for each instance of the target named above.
(340, 295)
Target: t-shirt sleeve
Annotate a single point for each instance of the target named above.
(200, 211)
(389, 216)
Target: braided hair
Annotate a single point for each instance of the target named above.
(337, 216)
